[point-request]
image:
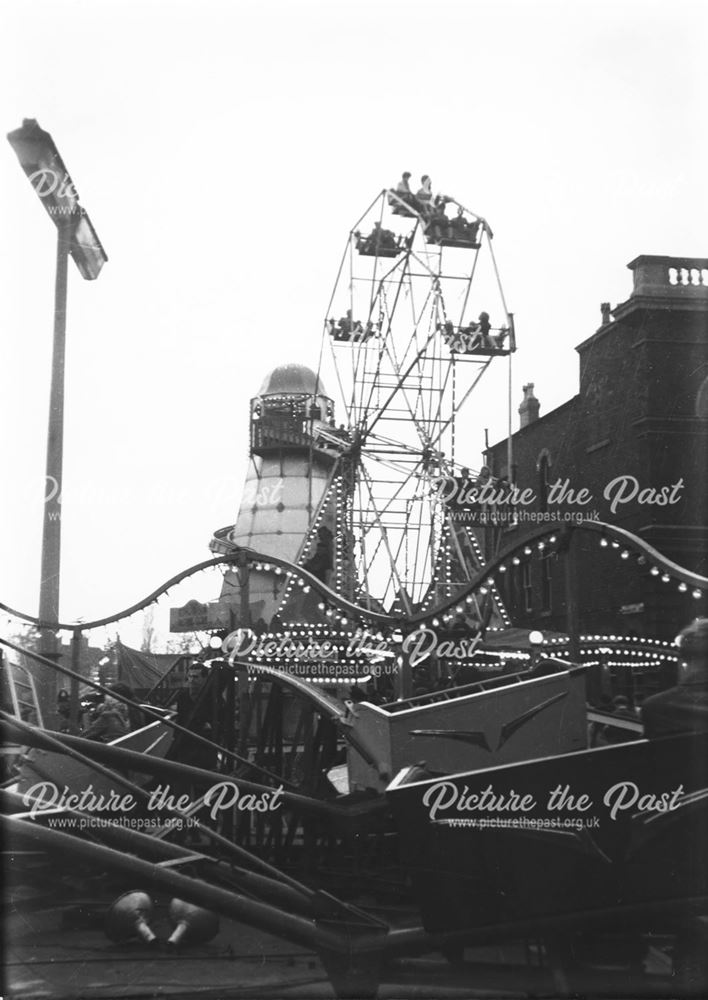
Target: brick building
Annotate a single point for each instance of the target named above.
(637, 430)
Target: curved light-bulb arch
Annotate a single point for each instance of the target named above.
(345, 612)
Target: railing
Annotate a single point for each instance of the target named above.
(688, 276)
(672, 276)
(274, 432)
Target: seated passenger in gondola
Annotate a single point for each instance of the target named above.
(684, 708)
(500, 337)
(388, 238)
(459, 228)
(403, 188)
(377, 240)
(470, 337)
(438, 222)
(485, 327)
(424, 195)
(472, 229)
(404, 193)
(344, 327)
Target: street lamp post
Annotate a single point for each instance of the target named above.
(76, 237)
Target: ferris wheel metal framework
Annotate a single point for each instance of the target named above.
(424, 316)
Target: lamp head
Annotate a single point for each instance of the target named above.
(128, 918)
(193, 924)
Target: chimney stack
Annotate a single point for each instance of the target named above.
(528, 410)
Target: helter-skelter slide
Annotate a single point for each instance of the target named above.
(342, 535)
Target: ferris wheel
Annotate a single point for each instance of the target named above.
(416, 317)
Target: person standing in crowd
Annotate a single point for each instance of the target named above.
(683, 708)
(194, 713)
(136, 719)
(110, 721)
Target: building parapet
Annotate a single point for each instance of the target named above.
(670, 276)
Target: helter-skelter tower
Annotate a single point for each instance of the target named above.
(294, 449)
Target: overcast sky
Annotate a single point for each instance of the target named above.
(223, 150)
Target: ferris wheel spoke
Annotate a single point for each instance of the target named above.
(418, 531)
(428, 552)
(384, 536)
(459, 406)
(412, 409)
(367, 385)
(400, 470)
(360, 355)
(379, 411)
(468, 288)
(369, 546)
(362, 541)
(425, 393)
(407, 531)
(361, 349)
(435, 418)
(410, 476)
(339, 381)
(385, 335)
(378, 284)
(396, 443)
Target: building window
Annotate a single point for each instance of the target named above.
(702, 400)
(543, 467)
(526, 587)
(546, 589)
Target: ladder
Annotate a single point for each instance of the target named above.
(22, 691)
